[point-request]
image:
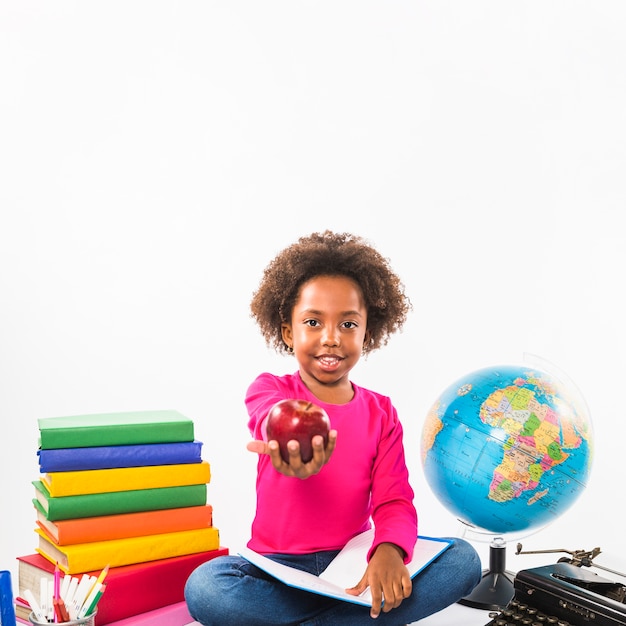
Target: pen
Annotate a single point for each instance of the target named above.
(71, 590)
(43, 596)
(64, 586)
(85, 584)
(34, 605)
(91, 600)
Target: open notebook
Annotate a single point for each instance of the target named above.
(346, 569)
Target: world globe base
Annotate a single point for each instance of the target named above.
(495, 590)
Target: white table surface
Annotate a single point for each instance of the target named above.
(457, 615)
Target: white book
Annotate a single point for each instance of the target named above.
(347, 568)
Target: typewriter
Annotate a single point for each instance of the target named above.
(563, 594)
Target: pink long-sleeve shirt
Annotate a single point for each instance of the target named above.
(365, 480)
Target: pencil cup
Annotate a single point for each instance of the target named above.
(88, 620)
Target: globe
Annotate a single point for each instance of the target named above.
(508, 448)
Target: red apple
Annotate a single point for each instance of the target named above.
(300, 420)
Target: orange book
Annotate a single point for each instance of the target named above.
(105, 527)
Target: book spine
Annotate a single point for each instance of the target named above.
(84, 482)
(104, 457)
(93, 505)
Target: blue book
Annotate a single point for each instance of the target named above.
(107, 457)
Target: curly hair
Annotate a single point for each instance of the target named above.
(330, 254)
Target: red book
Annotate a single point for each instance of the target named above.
(130, 589)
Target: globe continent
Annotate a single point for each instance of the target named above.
(507, 449)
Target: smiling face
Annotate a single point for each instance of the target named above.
(327, 331)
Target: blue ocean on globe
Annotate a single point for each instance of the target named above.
(507, 449)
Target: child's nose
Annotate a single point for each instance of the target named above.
(331, 337)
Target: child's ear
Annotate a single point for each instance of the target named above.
(287, 333)
(367, 337)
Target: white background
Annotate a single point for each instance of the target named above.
(154, 156)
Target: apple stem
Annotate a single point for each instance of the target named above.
(308, 406)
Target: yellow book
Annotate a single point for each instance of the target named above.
(88, 557)
(82, 482)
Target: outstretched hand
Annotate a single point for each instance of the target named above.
(387, 577)
(296, 467)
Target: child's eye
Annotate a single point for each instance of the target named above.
(349, 325)
(312, 323)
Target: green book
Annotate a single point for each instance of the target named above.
(112, 429)
(113, 502)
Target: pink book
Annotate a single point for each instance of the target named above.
(171, 615)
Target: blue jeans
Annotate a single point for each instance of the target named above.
(230, 591)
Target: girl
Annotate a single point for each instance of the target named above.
(327, 299)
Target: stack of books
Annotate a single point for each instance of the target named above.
(127, 492)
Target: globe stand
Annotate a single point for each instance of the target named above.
(495, 590)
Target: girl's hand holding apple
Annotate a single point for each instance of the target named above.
(300, 441)
(296, 467)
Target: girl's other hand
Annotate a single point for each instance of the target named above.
(387, 577)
